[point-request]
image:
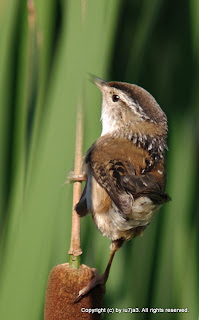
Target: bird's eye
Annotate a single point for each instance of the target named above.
(115, 97)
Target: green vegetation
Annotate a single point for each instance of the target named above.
(44, 71)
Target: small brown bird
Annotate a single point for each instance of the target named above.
(125, 167)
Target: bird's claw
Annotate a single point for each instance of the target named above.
(71, 177)
(99, 279)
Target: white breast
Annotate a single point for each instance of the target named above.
(108, 123)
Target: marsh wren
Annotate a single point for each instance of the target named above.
(125, 167)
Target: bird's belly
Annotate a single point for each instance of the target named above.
(108, 218)
(115, 225)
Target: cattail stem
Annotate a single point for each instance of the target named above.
(75, 245)
(67, 280)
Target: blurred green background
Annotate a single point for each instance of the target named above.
(44, 66)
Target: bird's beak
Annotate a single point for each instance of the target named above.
(100, 83)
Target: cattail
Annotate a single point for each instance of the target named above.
(66, 280)
(63, 286)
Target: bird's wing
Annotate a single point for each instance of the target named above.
(109, 176)
(120, 180)
(145, 185)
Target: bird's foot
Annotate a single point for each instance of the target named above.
(99, 279)
(71, 177)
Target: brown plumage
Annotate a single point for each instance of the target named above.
(126, 166)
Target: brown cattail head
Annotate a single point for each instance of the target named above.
(64, 284)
